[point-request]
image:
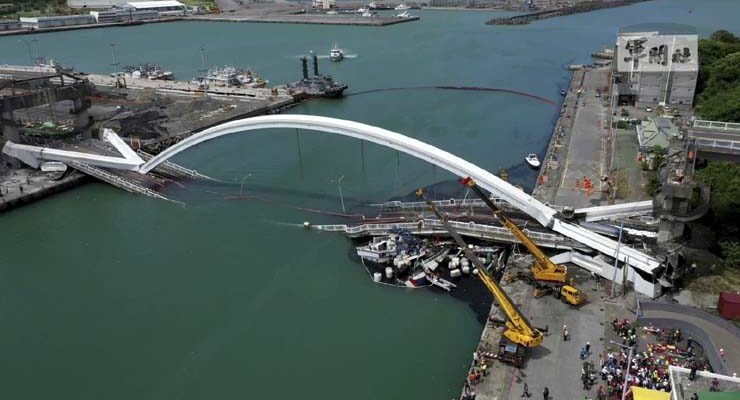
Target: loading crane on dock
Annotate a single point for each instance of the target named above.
(519, 334)
(547, 276)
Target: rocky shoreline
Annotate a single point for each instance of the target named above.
(576, 9)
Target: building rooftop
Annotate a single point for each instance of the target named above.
(155, 4)
(657, 48)
(656, 132)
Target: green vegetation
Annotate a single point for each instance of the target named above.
(34, 8)
(718, 84)
(725, 205)
(725, 199)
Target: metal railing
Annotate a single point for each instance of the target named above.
(722, 144)
(175, 167)
(116, 180)
(428, 226)
(727, 126)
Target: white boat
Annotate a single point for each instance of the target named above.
(332, 12)
(363, 10)
(402, 7)
(379, 250)
(532, 160)
(404, 14)
(336, 54)
(368, 14)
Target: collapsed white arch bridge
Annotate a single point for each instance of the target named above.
(644, 268)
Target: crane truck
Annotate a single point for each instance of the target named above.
(546, 276)
(519, 335)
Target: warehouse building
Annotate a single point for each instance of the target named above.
(9, 25)
(656, 64)
(92, 4)
(56, 21)
(112, 16)
(164, 7)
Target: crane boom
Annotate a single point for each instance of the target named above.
(543, 269)
(518, 328)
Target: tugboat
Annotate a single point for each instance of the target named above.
(336, 54)
(317, 86)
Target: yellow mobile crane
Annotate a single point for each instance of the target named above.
(543, 269)
(519, 333)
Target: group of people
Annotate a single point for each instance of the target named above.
(477, 372)
(647, 369)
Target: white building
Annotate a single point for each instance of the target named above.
(657, 63)
(324, 4)
(164, 7)
(92, 4)
(112, 16)
(55, 21)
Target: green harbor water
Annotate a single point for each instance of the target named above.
(108, 295)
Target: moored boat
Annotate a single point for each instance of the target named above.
(532, 160)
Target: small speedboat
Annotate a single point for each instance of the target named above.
(532, 160)
(402, 7)
(336, 54)
(404, 14)
(562, 92)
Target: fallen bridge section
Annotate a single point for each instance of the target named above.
(432, 227)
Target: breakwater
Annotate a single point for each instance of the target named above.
(583, 7)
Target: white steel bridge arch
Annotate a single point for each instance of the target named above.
(456, 165)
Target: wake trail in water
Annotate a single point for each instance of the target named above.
(458, 88)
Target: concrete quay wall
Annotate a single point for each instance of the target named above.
(13, 198)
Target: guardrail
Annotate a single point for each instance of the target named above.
(462, 203)
(727, 126)
(429, 226)
(175, 167)
(721, 144)
(116, 180)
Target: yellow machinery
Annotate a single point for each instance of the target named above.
(543, 269)
(518, 329)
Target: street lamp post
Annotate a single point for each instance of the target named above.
(627, 370)
(203, 68)
(616, 256)
(341, 198)
(241, 188)
(115, 63)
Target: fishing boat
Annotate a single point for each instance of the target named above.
(379, 250)
(532, 160)
(336, 54)
(402, 7)
(148, 71)
(418, 280)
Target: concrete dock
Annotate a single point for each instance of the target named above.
(578, 148)
(313, 18)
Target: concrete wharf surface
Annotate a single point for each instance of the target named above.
(23, 186)
(578, 147)
(499, 377)
(320, 19)
(555, 363)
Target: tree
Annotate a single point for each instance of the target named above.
(724, 37)
(730, 254)
(724, 178)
